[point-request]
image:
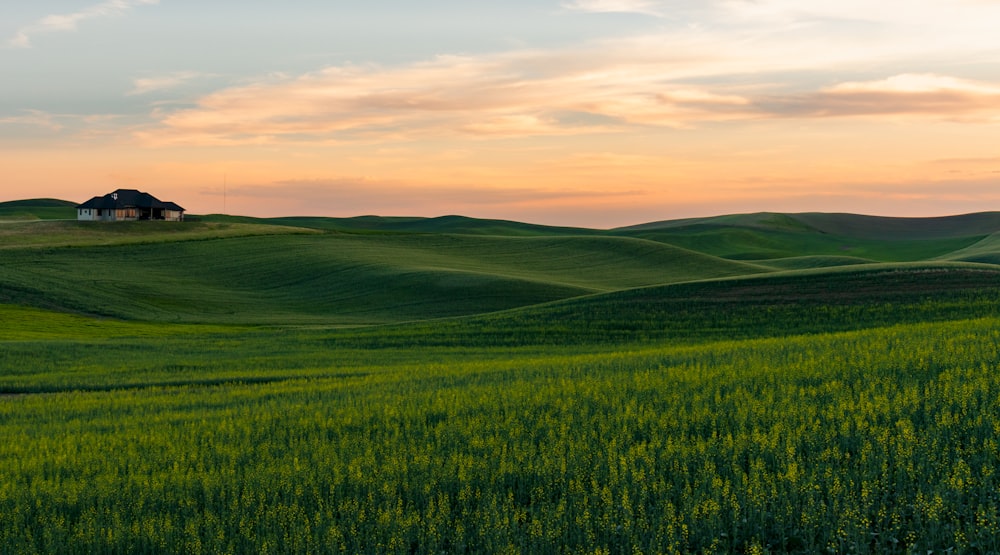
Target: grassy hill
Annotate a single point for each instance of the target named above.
(334, 278)
(857, 226)
(985, 250)
(899, 229)
(763, 306)
(37, 209)
(372, 270)
(51, 234)
(766, 236)
(442, 224)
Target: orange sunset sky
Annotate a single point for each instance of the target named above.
(596, 113)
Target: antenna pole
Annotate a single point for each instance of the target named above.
(225, 179)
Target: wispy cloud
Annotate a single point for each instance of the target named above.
(506, 95)
(761, 59)
(529, 95)
(146, 85)
(69, 21)
(363, 195)
(34, 118)
(911, 95)
(70, 126)
(614, 6)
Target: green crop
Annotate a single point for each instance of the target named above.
(868, 441)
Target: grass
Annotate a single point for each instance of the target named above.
(896, 229)
(228, 386)
(867, 441)
(765, 236)
(22, 323)
(761, 244)
(337, 278)
(442, 224)
(37, 209)
(54, 234)
(768, 306)
(815, 261)
(986, 250)
(856, 226)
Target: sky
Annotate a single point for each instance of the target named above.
(595, 113)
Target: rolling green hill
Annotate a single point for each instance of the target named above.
(442, 224)
(881, 228)
(50, 234)
(986, 250)
(766, 236)
(37, 209)
(374, 270)
(336, 278)
(767, 305)
(857, 226)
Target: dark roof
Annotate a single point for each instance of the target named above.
(129, 198)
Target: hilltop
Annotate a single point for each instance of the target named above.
(37, 209)
(849, 238)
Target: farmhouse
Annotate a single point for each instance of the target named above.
(128, 205)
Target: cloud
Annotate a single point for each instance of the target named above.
(532, 94)
(146, 85)
(608, 207)
(19, 40)
(912, 95)
(351, 196)
(752, 60)
(993, 161)
(76, 128)
(34, 118)
(506, 95)
(70, 21)
(614, 6)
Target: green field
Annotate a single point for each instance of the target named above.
(784, 383)
(37, 209)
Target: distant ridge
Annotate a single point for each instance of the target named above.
(39, 202)
(882, 227)
(836, 237)
(757, 235)
(37, 209)
(755, 219)
(844, 224)
(413, 224)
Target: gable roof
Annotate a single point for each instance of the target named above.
(128, 198)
